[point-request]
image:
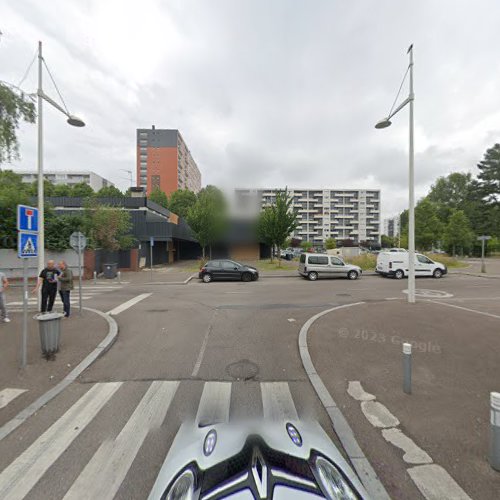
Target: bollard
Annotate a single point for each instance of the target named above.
(407, 368)
(119, 277)
(495, 430)
(95, 277)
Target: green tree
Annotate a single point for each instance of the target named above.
(109, 192)
(61, 190)
(158, 196)
(387, 241)
(82, 190)
(306, 245)
(428, 226)
(451, 193)
(14, 107)
(458, 233)
(181, 201)
(48, 188)
(207, 219)
(277, 221)
(58, 229)
(107, 227)
(12, 193)
(489, 174)
(330, 244)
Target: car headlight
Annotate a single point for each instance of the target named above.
(332, 481)
(183, 487)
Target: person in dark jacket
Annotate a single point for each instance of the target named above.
(65, 286)
(48, 281)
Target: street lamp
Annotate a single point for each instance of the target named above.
(72, 120)
(384, 123)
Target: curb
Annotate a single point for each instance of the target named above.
(363, 468)
(108, 341)
(477, 275)
(185, 282)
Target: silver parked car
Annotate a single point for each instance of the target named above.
(315, 265)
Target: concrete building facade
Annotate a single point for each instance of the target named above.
(324, 213)
(69, 177)
(392, 226)
(165, 162)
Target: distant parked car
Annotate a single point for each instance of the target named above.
(313, 266)
(224, 269)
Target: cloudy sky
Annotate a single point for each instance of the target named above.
(265, 92)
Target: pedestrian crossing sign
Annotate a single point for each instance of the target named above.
(27, 245)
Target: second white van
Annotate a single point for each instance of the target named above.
(395, 265)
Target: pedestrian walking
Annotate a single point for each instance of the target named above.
(65, 286)
(48, 281)
(4, 283)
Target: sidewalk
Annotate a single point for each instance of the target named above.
(79, 336)
(455, 367)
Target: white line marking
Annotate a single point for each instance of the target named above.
(291, 320)
(466, 309)
(436, 484)
(214, 403)
(129, 303)
(8, 395)
(378, 415)
(413, 453)
(203, 347)
(277, 401)
(356, 391)
(105, 472)
(21, 475)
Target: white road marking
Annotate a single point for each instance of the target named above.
(413, 453)
(466, 309)
(277, 401)
(214, 403)
(7, 395)
(105, 472)
(291, 320)
(203, 347)
(356, 391)
(436, 484)
(378, 415)
(23, 473)
(123, 307)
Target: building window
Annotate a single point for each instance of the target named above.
(155, 181)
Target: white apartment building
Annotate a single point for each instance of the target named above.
(324, 213)
(392, 226)
(69, 177)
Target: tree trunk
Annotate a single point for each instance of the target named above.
(210, 251)
(203, 252)
(279, 256)
(272, 254)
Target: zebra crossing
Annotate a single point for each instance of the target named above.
(121, 454)
(88, 292)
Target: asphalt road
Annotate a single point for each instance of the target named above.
(191, 338)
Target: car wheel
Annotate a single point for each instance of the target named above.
(352, 275)
(313, 276)
(399, 274)
(207, 278)
(437, 273)
(246, 277)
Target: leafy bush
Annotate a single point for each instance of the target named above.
(366, 261)
(446, 260)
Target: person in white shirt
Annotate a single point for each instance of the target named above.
(4, 283)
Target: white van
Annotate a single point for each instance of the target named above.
(395, 265)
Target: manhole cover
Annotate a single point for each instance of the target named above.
(431, 294)
(242, 370)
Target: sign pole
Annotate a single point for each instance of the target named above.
(24, 342)
(79, 273)
(483, 266)
(151, 243)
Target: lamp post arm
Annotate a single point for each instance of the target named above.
(401, 106)
(51, 101)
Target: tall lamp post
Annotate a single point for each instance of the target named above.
(72, 120)
(384, 123)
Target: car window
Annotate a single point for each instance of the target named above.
(213, 263)
(318, 260)
(336, 261)
(423, 259)
(228, 265)
(303, 258)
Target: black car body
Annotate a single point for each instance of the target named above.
(225, 269)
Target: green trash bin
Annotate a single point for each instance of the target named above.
(49, 326)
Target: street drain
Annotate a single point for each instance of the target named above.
(242, 370)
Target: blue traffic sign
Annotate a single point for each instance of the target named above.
(27, 245)
(27, 218)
